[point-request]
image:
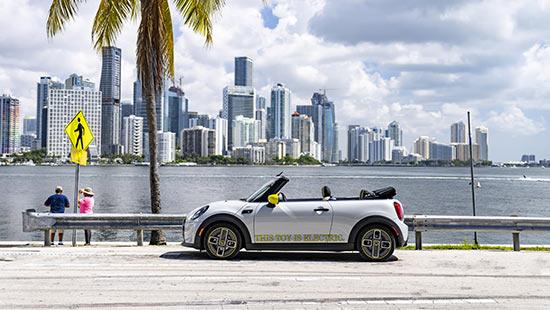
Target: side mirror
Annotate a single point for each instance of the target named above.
(273, 199)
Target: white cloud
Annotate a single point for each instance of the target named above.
(514, 122)
(421, 62)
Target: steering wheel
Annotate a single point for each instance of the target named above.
(282, 196)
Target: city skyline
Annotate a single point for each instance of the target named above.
(425, 80)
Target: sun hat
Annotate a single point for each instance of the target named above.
(87, 191)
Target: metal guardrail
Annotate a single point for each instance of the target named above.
(33, 221)
(510, 224)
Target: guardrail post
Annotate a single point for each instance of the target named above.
(139, 234)
(515, 237)
(418, 240)
(47, 240)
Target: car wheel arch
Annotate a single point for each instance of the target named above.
(223, 218)
(378, 220)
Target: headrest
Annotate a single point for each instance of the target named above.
(325, 191)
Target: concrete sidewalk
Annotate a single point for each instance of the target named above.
(171, 276)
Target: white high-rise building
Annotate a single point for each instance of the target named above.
(198, 141)
(220, 126)
(458, 132)
(245, 131)
(380, 150)
(303, 130)
(63, 105)
(275, 149)
(166, 147)
(483, 142)
(253, 154)
(292, 148)
(132, 135)
(422, 147)
(237, 100)
(280, 112)
(395, 133)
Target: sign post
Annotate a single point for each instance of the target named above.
(81, 136)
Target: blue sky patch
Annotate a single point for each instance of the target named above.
(270, 21)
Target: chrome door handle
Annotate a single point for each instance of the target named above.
(321, 209)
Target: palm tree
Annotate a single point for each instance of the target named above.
(155, 51)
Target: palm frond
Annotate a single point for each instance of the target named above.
(61, 11)
(167, 39)
(109, 20)
(197, 14)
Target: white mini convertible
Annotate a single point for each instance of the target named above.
(371, 223)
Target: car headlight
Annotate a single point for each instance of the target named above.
(199, 212)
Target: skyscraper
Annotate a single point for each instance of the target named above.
(140, 108)
(110, 99)
(238, 100)
(42, 92)
(483, 142)
(244, 71)
(166, 147)
(302, 129)
(458, 132)
(280, 112)
(198, 141)
(330, 136)
(126, 109)
(422, 147)
(245, 131)
(395, 133)
(29, 126)
(10, 135)
(75, 81)
(261, 116)
(63, 105)
(353, 142)
(440, 151)
(132, 135)
(175, 105)
(220, 127)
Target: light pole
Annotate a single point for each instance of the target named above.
(472, 173)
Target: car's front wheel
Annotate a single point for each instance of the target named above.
(222, 241)
(376, 243)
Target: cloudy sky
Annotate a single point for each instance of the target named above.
(423, 63)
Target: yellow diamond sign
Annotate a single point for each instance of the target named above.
(79, 132)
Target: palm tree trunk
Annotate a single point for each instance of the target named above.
(157, 236)
(150, 72)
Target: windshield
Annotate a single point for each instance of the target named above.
(260, 192)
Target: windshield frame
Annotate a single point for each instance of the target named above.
(270, 187)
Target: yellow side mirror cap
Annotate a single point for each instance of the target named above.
(273, 199)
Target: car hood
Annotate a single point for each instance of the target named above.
(231, 206)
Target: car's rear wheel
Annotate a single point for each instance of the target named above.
(222, 241)
(376, 243)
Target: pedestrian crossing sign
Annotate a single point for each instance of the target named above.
(79, 132)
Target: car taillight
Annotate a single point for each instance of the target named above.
(398, 210)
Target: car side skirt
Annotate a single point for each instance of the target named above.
(301, 246)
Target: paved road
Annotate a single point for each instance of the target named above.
(177, 277)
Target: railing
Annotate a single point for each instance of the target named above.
(33, 221)
(511, 224)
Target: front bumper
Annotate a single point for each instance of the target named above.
(189, 233)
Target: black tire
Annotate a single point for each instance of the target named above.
(375, 243)
(222, 241)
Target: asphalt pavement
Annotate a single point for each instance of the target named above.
(119, 276)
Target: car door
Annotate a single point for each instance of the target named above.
(293, 222)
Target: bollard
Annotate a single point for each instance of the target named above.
(515, 237)
(418, 240)
(139, 234)
(47, 240)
